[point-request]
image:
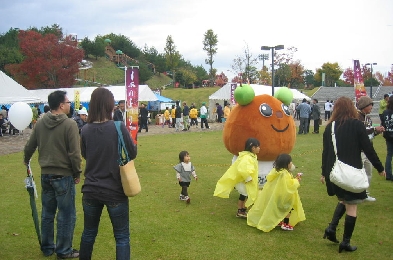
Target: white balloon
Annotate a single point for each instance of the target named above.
(20, 115)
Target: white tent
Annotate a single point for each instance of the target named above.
(224, 93)
(145, 93)
(11, 91)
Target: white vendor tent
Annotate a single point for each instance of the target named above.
(11, 91)
(145, 93)
(224, 93)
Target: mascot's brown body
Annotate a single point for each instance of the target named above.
(267, 119)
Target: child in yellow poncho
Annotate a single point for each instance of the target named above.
(243, 174)
(278, 203)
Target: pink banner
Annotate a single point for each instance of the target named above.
(358, 80)
(233, 87)
(132, 91)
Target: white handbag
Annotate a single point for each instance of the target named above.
(345, 176)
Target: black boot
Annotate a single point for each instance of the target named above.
(348, 230)
(330, 231)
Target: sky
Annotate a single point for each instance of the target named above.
(322, 31)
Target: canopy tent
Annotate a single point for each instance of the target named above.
(11, 91)
(224, 93)
(162, 98)
(119, 93)
(160, 104)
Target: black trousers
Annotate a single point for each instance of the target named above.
(316, 125)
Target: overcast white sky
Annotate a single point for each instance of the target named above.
(322, 31)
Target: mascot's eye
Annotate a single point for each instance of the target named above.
(266, 110)
(285, 109)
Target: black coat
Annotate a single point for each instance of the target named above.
(352, 139)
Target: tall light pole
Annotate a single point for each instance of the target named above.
(266, 48)
(371, 81)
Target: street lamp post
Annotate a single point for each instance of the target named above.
(371, 81)
(266, 48)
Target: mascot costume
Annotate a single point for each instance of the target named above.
(265, 118)
(269, 120)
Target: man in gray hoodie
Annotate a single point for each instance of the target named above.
(57, 139)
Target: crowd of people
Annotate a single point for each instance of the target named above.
(64, 141)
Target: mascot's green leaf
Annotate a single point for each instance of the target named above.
(284, 94)
(244, 94)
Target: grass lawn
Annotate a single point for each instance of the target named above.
(162, 227)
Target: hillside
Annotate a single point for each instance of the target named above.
(105, 72)
(196, 96)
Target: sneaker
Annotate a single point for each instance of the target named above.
(73, 254)
(181, 197)
(187, 199)
(370, 199)
(286, 227)
(280, 224)
(241, 213)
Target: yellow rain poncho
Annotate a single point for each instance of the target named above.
(245, 168)
(278, 197)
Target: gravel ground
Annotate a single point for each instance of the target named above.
(15, 143)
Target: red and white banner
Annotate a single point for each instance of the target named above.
(233, 87)
(132, 90)
(360, 90)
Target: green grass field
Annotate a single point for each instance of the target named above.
(162, 227)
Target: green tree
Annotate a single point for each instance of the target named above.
(98, 47)
(186, 77)
(332, 74)
(87, 46)
(172, 56)
(308, 78)
(123, 43)
(9, 48)
(210, 46)
(282, 76)
(201, 74)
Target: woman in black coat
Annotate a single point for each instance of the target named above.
(387, 123)
(352, 139)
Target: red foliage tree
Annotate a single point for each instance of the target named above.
(49, 62)
(348, 76)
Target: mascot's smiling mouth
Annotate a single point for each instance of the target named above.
(282, 130)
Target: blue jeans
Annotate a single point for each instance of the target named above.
(388, 161)
(58, 194)
(119, 215)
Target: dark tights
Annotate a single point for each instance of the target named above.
(184, 190)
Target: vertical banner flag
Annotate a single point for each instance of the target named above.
(77, 101)
(360, 90)
(233, 87)
(132, 91)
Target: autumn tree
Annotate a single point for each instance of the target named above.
(296, 79)
(172, 56)
(264, 76)
(348, 76)
(210, 46)
(49, 62)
